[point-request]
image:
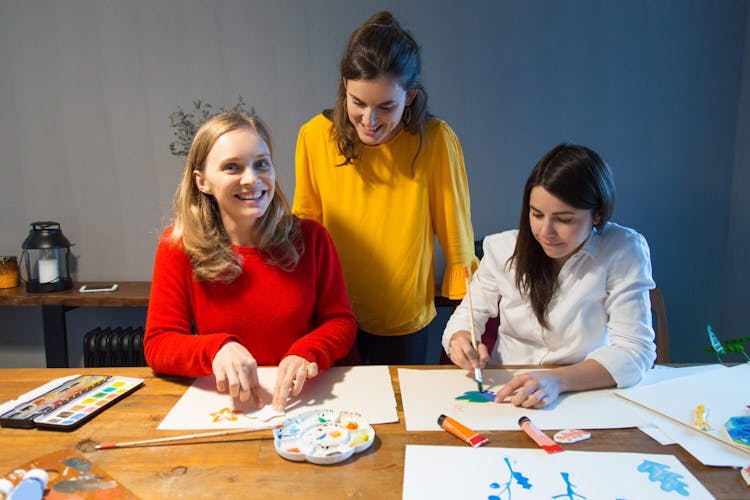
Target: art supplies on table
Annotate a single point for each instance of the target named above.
(717, 397)
(29, 487)
(165, 441)
(70, 475)
(538, 436)
(474, 342)
(570, 436)
(323, 436)
(70, 404)
(462, 432)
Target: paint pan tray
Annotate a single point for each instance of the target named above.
(323, 436)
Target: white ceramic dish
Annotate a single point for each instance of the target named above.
(323, 436)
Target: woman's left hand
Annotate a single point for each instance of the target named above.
(293, 371)
(531, 390)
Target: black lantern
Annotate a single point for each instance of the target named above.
(46, 255)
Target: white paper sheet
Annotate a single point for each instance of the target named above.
(724, 391)
(426, 394)
(659, 374)
(432, 472)
(364, 389)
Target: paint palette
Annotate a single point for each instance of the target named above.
(323, 436)
(72, 476)
(70, 404)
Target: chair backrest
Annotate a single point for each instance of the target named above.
(660, 326)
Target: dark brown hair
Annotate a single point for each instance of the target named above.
(579, 177)
(379, 47)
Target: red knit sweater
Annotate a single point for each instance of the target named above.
(273, 313)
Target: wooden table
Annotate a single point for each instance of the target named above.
(248, 466)
(56, 304)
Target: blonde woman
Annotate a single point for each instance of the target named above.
(239, 282)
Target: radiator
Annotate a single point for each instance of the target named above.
(113, 347)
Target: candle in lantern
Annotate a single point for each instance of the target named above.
(48, 270)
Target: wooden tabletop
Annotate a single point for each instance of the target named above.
(247, 466)
(128, 294)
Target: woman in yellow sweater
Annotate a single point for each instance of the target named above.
(384, 177)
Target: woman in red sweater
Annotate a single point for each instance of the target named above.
(238, 281)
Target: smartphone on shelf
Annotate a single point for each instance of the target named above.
(98, 288)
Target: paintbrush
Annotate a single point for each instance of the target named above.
(184, 437)
(477, 370)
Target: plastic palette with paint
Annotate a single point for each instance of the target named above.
(323, 436)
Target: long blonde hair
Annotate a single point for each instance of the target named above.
(197, 220)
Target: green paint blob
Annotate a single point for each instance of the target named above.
(477, 396)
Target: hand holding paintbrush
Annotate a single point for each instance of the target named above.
(477, 370)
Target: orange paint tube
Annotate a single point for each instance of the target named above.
(461, 431)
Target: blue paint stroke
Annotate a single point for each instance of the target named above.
(670, 481)
(569, 488)
(522, 481)
(477, 396)
(738, 429)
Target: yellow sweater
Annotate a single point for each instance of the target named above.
(383, 215)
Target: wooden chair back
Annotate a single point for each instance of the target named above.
(660, 326)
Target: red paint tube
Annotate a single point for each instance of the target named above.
(461, 431)
(538, 436)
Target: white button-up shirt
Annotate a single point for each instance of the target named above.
(601, 311)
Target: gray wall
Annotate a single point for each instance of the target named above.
(660, 89)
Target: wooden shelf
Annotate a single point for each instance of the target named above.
(128, 294)
(56, 304)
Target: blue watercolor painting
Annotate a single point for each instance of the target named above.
(506, 488)
(497, 473)
(738, 429)
(670, 481)
(569, 488)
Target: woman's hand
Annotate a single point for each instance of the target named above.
(541, 388)
(293, 371)
(462, 353)
(235, 368)
(531, 390)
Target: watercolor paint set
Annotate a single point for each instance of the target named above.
(70, 404)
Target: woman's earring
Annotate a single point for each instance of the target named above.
(407, 115)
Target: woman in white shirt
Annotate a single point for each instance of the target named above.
(570, 288)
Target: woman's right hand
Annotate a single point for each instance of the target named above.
(462, 352)
(236, 369)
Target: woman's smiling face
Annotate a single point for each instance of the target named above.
(375, 107)
(240, 175)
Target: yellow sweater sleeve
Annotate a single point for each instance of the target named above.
(307, 203)
(451, 214)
